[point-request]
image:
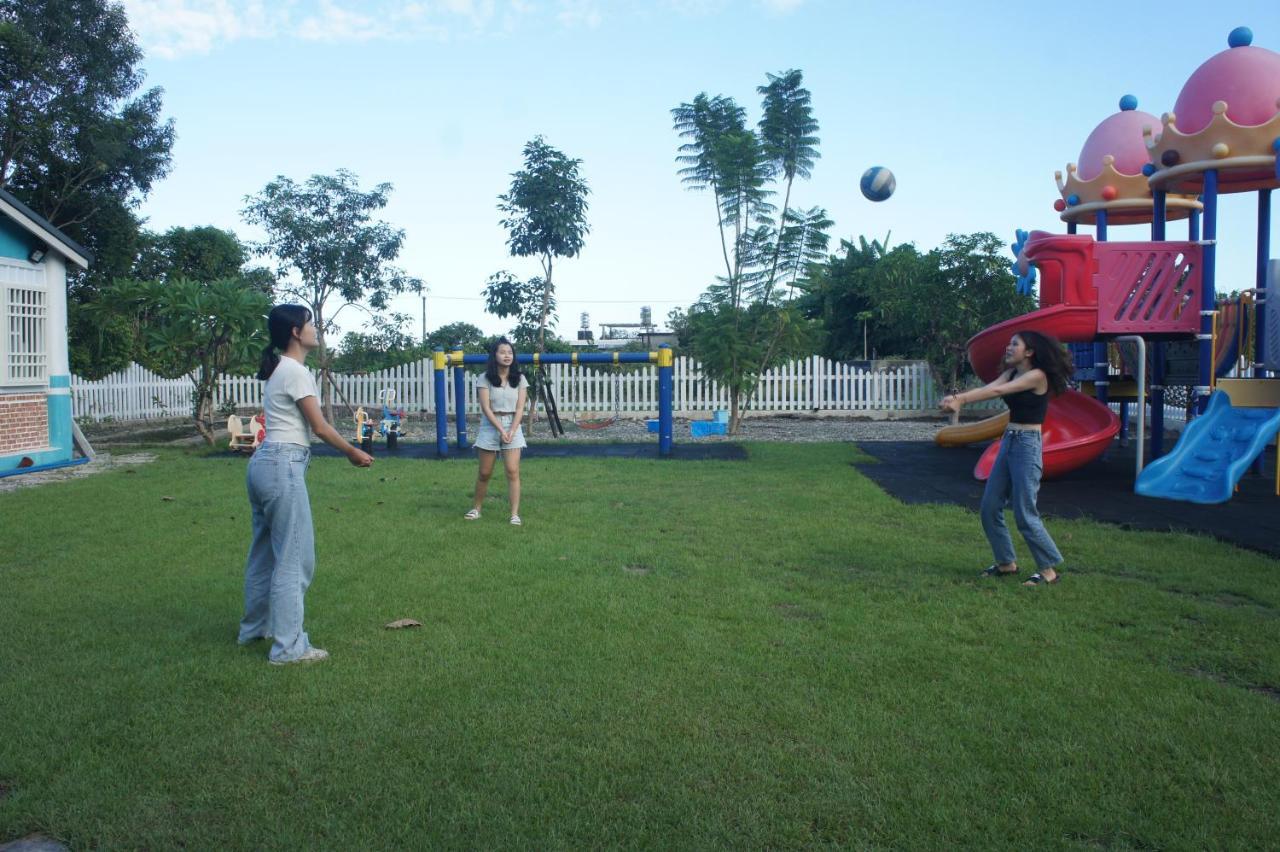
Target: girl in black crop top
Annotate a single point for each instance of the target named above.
(1036, 367)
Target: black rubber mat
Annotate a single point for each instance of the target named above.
(919, 472)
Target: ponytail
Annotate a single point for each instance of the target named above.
(281, 322)
(270, 359)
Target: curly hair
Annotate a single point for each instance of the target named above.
(1049, 355)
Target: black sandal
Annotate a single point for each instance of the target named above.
(994, 571)
(1037, 579)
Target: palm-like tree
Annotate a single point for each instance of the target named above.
(789, 142)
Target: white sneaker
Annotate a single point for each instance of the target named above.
(312, 655)
(473, 515)
(515, 520)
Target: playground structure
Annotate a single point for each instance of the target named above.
(457, 361)
(1223, 136)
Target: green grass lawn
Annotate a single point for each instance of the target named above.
(668, 654)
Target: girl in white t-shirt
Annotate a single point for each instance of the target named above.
(502, 391)
(282, 556)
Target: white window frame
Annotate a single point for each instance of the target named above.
(36, 281)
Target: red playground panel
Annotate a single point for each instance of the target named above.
(1148, 288)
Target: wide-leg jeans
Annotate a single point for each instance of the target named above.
(282, 557)
(1015, 482)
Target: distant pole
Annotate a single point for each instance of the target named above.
(424, 320)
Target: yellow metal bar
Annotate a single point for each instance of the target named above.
(573, 358)
(455, 358)
(537, 358)
(616, 362)
(666, 358)
(439, 360)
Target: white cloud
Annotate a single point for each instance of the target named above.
(579, 13)
(782, 7)
(170, 29)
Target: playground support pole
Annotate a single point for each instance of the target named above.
(459, 396)
(1101, 366)
(1142, 395)
(442, 403)
(1158, 213)
(666, 425)
(1071, 227)
(1209, 294)
(1260, 296)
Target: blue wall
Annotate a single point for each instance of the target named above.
(14, 240)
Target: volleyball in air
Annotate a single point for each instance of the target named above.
(878, 183)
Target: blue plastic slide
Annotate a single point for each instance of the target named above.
(1212, 454)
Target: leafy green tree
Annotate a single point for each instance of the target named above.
(327, 248)
(742, 327)
(546, 209)
(183, 327)
(913, 304)
(470, 337)
(81, 143)
(530, 303)
(202, 253)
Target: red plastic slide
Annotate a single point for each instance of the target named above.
(1077, 428)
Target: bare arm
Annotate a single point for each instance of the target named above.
(1033, 380)
(310, 408)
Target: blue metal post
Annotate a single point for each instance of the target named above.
(1208, 298)
(459, 397)
(1071, 227)
(666, 423)
(442, 404)
(1264, 252)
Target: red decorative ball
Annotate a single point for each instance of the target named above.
(1108, 193)
(1059, 205)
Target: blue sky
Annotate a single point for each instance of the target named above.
(972, 108)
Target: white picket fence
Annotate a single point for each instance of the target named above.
(813, 385)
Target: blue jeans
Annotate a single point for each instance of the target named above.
(282, 557)
(1015, 482)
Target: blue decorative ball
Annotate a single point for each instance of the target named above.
(1148, 169)
(878, 183)
(1240, 37)
(1128, 103)
(1073, 199)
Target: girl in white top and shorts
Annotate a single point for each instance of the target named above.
(503, 391)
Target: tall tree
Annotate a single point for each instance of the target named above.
(546, 209)
(327, 247)
(740, 328)
(80, 142)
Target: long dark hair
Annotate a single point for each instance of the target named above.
(1049, 355)
(281, 322)
(491, 368)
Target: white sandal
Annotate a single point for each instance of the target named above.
(515, 520)
(473, 515)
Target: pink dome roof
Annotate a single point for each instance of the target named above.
(1246, 77)
(1119, 135)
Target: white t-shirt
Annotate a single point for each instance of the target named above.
(502, 400)
(289, 383)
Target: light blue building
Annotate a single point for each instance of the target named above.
(35, 377)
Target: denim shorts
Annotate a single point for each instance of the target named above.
(490, 438)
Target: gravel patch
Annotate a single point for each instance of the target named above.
(103, 462)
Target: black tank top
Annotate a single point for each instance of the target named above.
(1027, 407)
